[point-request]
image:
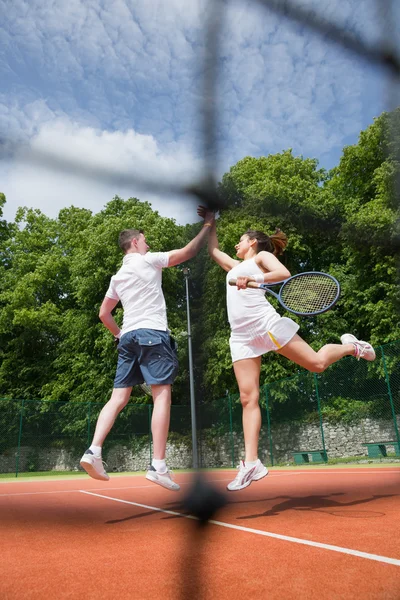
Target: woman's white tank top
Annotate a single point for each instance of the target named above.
(245, 307)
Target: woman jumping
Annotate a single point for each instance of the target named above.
(256, 328)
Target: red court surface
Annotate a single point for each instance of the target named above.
(301, 534)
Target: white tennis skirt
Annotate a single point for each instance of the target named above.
(261, 337)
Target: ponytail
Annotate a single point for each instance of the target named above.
(279, 241)
(275, 243)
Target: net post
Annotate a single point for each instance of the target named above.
(315, 377)
(88, 426)
(21, 416)
(186, 273)
(268, 425)
(390, 395)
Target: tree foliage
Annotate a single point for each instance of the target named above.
(54, 272)
(53, 344)
(344, 222)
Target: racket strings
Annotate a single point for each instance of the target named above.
(309, 293)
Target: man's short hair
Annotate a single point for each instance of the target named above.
(126, 237)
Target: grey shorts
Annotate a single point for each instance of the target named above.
(146, 355)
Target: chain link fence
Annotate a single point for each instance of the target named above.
(352, 411)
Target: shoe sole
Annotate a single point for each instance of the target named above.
(260, 476)
(352, 340)
(166, 486)
(91, 471)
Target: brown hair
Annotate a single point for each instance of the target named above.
(126, 237)
(275, 243)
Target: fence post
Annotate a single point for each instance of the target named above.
(88, 425)
(231, 431)
(390, 396)
(319, 411)
(269, 425)
(19, 438)
(149, 434)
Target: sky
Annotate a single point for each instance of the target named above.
(118, 85)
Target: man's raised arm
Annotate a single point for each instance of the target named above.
(193, 247)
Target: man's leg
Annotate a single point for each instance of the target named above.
(91, 461)
(110, 411)
(158, 471)
(160, 419)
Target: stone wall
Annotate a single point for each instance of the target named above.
(341, 440)
(118, 458)
(37, 459)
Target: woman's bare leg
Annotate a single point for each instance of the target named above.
(247, 374)
(299, 352)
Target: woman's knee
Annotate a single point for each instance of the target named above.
(318, 366)
(249, 398)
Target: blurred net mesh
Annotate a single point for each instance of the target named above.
(374, 390)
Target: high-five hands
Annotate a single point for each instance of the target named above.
(207, 215)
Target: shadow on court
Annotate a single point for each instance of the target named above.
(315, 503)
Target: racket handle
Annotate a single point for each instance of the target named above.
(250, 284)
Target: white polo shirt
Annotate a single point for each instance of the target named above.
(138, 286)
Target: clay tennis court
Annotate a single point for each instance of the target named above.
(312, 533)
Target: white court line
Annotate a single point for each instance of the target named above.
(286, 538)
(366, 472)
(138, 487)
(130, 487)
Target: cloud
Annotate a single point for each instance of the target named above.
(28, 184)
(289, 88)
(124, 79)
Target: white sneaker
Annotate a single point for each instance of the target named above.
(246, 475)
(93, 466)
(163, 479)
(363, 349)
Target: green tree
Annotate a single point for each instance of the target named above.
(365, 188)
(54, 272)
(53, 343)
(29, 312)
(344, 222)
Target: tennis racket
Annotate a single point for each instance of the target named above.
(305, 294)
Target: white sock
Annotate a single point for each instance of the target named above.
(250, 463)
(159, 465)
(96, 450)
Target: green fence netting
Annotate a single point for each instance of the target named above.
(350, 410)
